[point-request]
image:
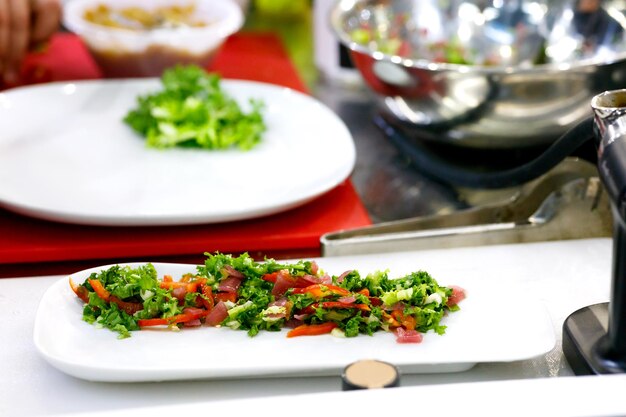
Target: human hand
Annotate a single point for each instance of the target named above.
(23, 24)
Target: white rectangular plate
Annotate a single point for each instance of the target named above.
(496, 323)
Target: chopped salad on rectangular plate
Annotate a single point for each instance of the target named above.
(242, 294)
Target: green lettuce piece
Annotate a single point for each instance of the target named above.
(192, 110)
(137, 285)
(415, 300)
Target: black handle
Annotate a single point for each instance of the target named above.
(434, 166)
(617, 306)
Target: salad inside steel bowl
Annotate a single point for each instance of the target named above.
(486, 74)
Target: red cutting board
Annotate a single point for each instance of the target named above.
(30, 246)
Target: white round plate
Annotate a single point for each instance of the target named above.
(66, 155)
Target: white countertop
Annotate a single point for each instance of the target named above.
(566, 275)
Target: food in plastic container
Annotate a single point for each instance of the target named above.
(134, 38)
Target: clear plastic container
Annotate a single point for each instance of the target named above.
(122, 53)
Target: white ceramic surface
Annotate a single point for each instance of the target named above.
(497, 322)
(66, 155)
(563, 397)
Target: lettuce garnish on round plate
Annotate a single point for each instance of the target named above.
(193, 110)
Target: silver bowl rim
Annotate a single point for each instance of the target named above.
(597, 100)
(335, 22)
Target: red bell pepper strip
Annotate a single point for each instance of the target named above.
(185, 278)
(152, 322)
(200, 280)
(179, 318)
(100, 290)
(321, 290)
(172, 284)
(390, 320)
(312, 329)
(339, 304)
(333, 304)
(207, 301)
(80, 291)
(270, 277)
(407, 321)
(188, 286)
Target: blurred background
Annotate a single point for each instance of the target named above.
(467, 86)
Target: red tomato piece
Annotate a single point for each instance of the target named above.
(217, 315)
(458, 295)
(127, 306)
(226, 296)
(408, 336)
(284, 281)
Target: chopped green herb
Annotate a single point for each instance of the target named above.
(193, 110)
(242, 294)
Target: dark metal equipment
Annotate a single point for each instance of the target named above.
(594, 337)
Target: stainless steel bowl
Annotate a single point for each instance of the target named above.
(486, 74)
